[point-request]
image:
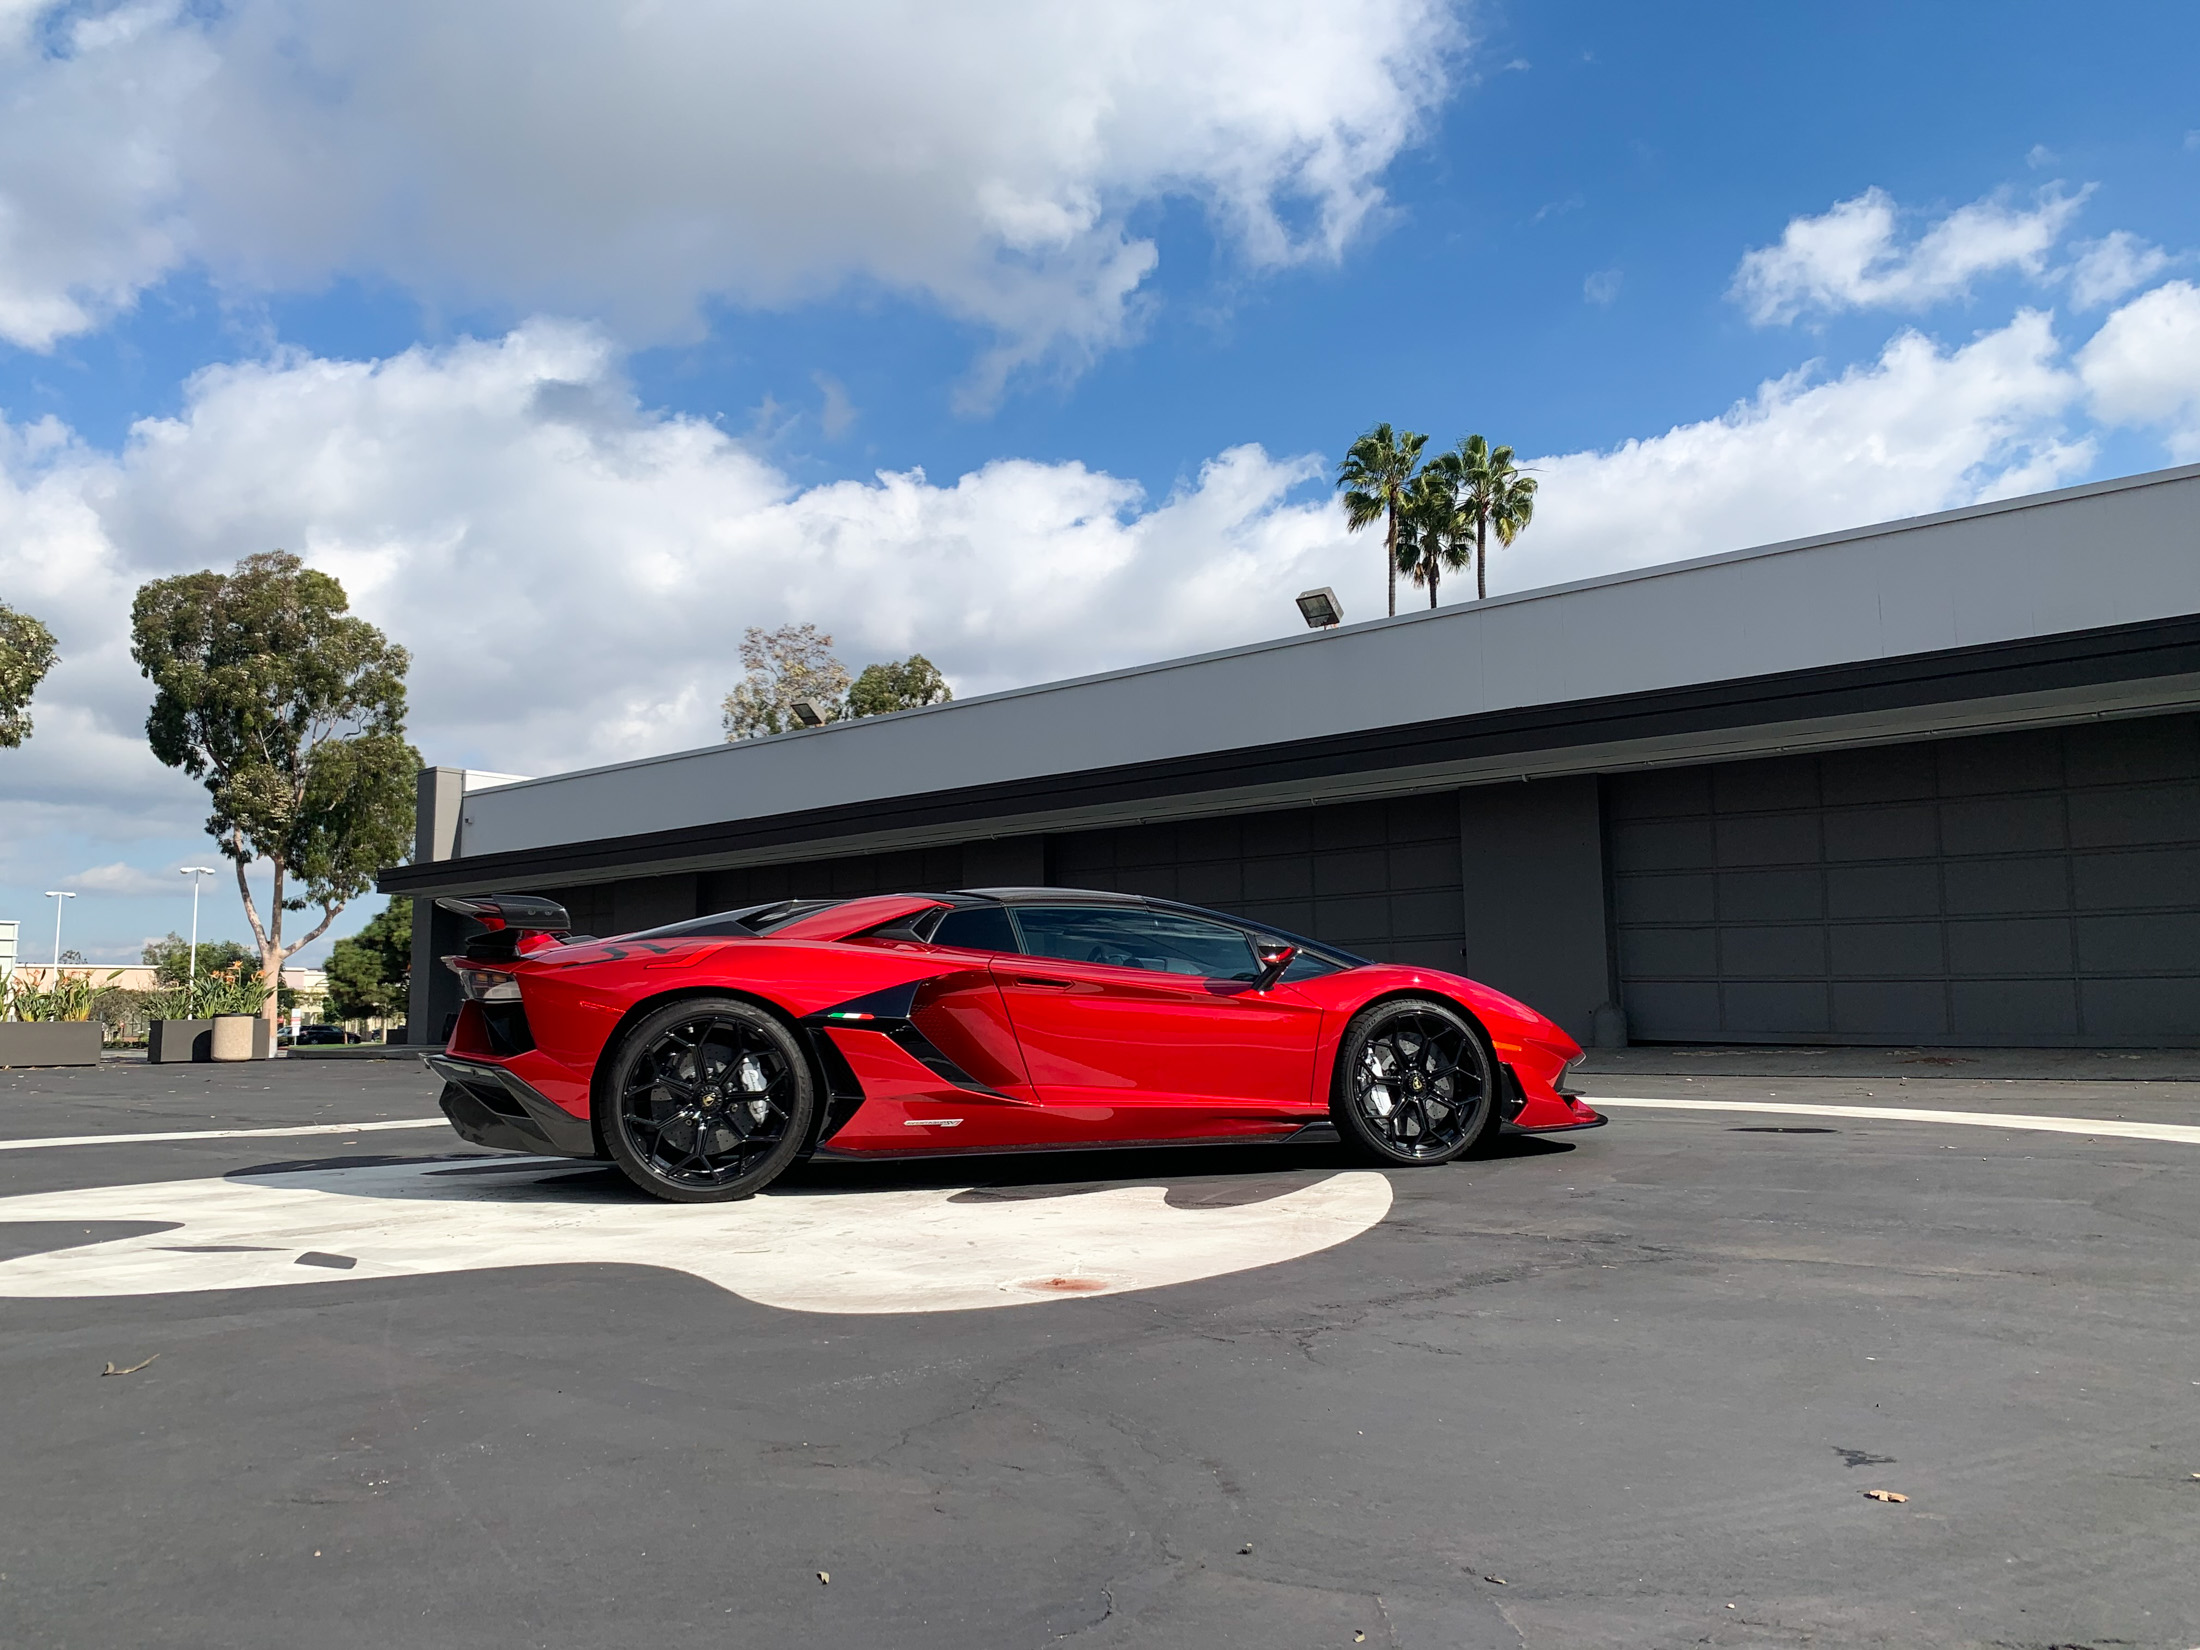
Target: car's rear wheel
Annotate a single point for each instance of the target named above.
(1415, 1082)
(708, 1100)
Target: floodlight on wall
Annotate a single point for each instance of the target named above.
(806, 713)
(1320, 608)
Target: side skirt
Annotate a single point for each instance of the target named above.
(1312, 1134)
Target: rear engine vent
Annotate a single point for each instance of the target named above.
(504, 1028)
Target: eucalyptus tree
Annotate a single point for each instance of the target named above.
(1434, 528)
(1373, 478)
(794, 662)
(26, 654)
(1500, 498)
(291, 710)
(910, 684)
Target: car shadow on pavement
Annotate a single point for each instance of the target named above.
(1146, 1165)
(1198, 1176)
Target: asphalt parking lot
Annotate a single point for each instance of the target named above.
(1628, 1389)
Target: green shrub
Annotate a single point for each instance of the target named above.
(69, 998)
(238, 990)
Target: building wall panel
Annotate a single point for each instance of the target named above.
(1381, 878)
(2033, 887)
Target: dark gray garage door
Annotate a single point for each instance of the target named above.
(2025, 888)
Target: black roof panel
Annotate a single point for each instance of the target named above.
(1075, 896)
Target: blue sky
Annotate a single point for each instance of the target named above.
(631, 365)
(1655, 142)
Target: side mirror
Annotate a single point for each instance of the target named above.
(1275, 956)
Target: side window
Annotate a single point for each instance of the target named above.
(1157, 941)
(976, 928)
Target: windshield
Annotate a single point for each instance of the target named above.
(1314, 958)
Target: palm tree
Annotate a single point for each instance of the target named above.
(1434, 527)
(1373, 478)
(1497, 493)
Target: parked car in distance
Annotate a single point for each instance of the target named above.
(310, 1036)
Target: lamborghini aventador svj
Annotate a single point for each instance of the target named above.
(706, 1056)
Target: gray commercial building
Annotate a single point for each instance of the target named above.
(1931, 782)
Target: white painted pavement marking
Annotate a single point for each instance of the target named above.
(2185, 1133)
(217, 1134)
(935, 1249)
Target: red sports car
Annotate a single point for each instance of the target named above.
(706, 1056)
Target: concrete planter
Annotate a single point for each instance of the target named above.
(169, 1041)
(51, 1042)
(240, 1037)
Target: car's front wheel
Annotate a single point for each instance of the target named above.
(1415, 1082)
(708, 1100)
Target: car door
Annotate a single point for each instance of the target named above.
(963, 1014)
(1146, 1025)
(951, 1075)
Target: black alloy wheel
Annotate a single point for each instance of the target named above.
(1415, 1083)
(708, 1100)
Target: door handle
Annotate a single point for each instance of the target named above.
(1042, 985)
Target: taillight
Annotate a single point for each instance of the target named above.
(478, 984)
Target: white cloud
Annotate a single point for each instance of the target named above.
(1602, 287)
(1919, 429)
(85, 772)
(88, 184)
(2112, 266)
(1851, 258)
(2143, 366)
(636, 162)
(573, 573)
(122, 878)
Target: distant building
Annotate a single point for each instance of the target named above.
(311, 984)
(1936, 781)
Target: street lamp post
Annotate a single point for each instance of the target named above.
(191, 990)
(57, 895)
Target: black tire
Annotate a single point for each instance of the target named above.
(1415, 1083)
(709, 1099)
